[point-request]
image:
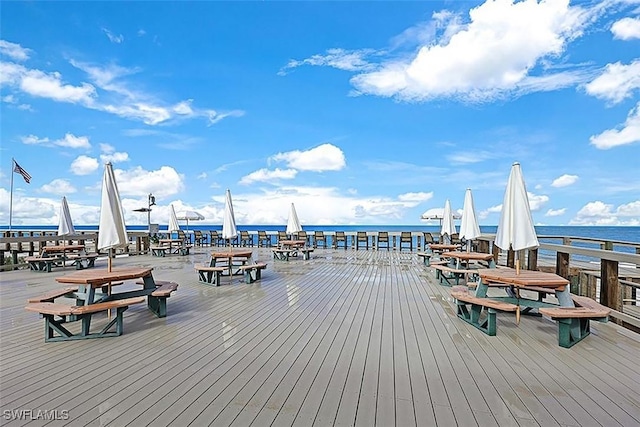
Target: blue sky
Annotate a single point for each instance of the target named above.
(358, 112)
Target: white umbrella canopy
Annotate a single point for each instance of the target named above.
(173, 220)
(448, 227)
(293, 223)
(65, 227)
(190, 216)
(515, 228)
(229, 229)
(469, 228)
(436, 214)
(112, 231)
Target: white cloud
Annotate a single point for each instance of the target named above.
(616, 83)
(556, 212)
(115, 157)
(45, 85)
(325, 157)
(120, 99)
(33, 140)
(84, 165)
(628, 133)
(203, 175)
(14, 51)
(69, 141)
(73, 141)
(564, 180)
(59, 187)
(467, 157)
(415, 198)
(266, 175)
(337, 58)
(163, 182)
(630, 209)
(537, 202)
(112, 37)
(600, 213)
(626, 29)
(496, 53)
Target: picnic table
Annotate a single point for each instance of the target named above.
(57, 255)
(463, 259)
(93, 295)
(227, 258)
(290, 248)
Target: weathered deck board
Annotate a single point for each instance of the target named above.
(346, 338)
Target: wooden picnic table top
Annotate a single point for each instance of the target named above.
(292, 242)
(232, 254)
(97, 278)
(443, 247)
(468, 256)
(522, 279)
(62, 248)
(170, 241)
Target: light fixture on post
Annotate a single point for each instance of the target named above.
(152, 202)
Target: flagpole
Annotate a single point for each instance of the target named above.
(13, 162)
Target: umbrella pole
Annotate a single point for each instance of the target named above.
(109, 267)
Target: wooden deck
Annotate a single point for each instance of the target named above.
(346, 338)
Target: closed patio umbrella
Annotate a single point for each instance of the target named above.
(65, 226)
(112, 231)
(293, 223)
(229, 229)
(515, 228)
(469, 229)
(448, 227)
(173, 221)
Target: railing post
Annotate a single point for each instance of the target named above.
(532, 259)
(562, 264)
(609, 285)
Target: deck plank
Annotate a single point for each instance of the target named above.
(345, 338)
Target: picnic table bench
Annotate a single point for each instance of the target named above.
(43, 264)
(252, 272)
(209, 274)
(486, 321)
(83, 260)
(55, 330)
(574, 322)
(283, 254)
(160, 250)
(446, 274)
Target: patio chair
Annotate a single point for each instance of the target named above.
(406, 239)
(361, 237)
(340, 237)
(264, 239)
(199, 238)
(282, 235)
(383, 238)
(428, 239)
(215, 238)
(246, 239)
(319, 237)
(302, 235)
(182, 236)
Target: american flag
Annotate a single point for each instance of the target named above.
(17, 168)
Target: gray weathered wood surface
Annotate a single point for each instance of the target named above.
(346, 338)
